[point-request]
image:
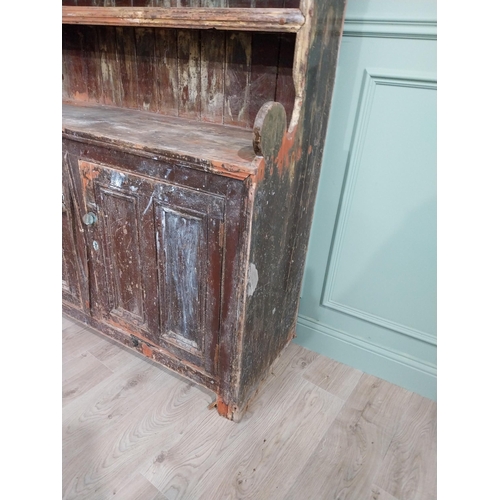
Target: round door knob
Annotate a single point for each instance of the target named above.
(89, 218)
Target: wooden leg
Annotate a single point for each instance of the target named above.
(229, 411)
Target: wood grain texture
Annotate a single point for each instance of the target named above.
(336, 378)
(361, 436)
(144, 433)
(81, 373)
(106, 428)
(195, 73)
(137, 487)
(213, 49)
(241, 19)
(112, 355)
(188, 53)
(145, 53)
(76, 340)
(408, 471)
(237, 79)
(378, 493)
(185, 465)
(264, 68)
(166, 71)
(214, 146)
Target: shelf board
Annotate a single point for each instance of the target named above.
(205, 146)
(239, 19)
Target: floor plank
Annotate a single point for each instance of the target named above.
(215, 444)
(408, 471)
(378, 493)
(267, 461)
(317, 429)
(346, 460)
(336, 378)
(112, 355)
(81, 373)
(137, 488)
(107, 459)
(76, 341)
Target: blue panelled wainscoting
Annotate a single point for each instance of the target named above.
(369, 290)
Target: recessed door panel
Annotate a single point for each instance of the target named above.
(190, 240)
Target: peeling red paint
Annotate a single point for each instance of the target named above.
(88, 174)
(222, 408)
(286, 150)
(228, 170)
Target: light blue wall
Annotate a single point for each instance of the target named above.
(369, 290)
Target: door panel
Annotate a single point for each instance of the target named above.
(73, 272)
(122, 247)
(156, 260)
(122, 237)
(189, 232)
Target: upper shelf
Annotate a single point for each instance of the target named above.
(251, 19)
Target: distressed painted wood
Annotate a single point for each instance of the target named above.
(237, 79)
(264, 68)
(213, 49)
(268, 130)
(188, 50)
(202, 184)
(215, 148)
(201, 75)
(74, 271)
(239, 19)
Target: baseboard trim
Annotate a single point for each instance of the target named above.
(412, 374)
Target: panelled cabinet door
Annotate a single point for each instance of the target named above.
(74, 276)
(156, 255)
(189, 235)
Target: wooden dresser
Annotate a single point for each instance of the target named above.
(193, 136)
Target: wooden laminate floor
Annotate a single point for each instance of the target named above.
(317, 430)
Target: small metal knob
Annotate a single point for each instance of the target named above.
(89, 218)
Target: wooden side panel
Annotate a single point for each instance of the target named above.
(283, 206)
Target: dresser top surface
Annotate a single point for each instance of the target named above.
(216, 148)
